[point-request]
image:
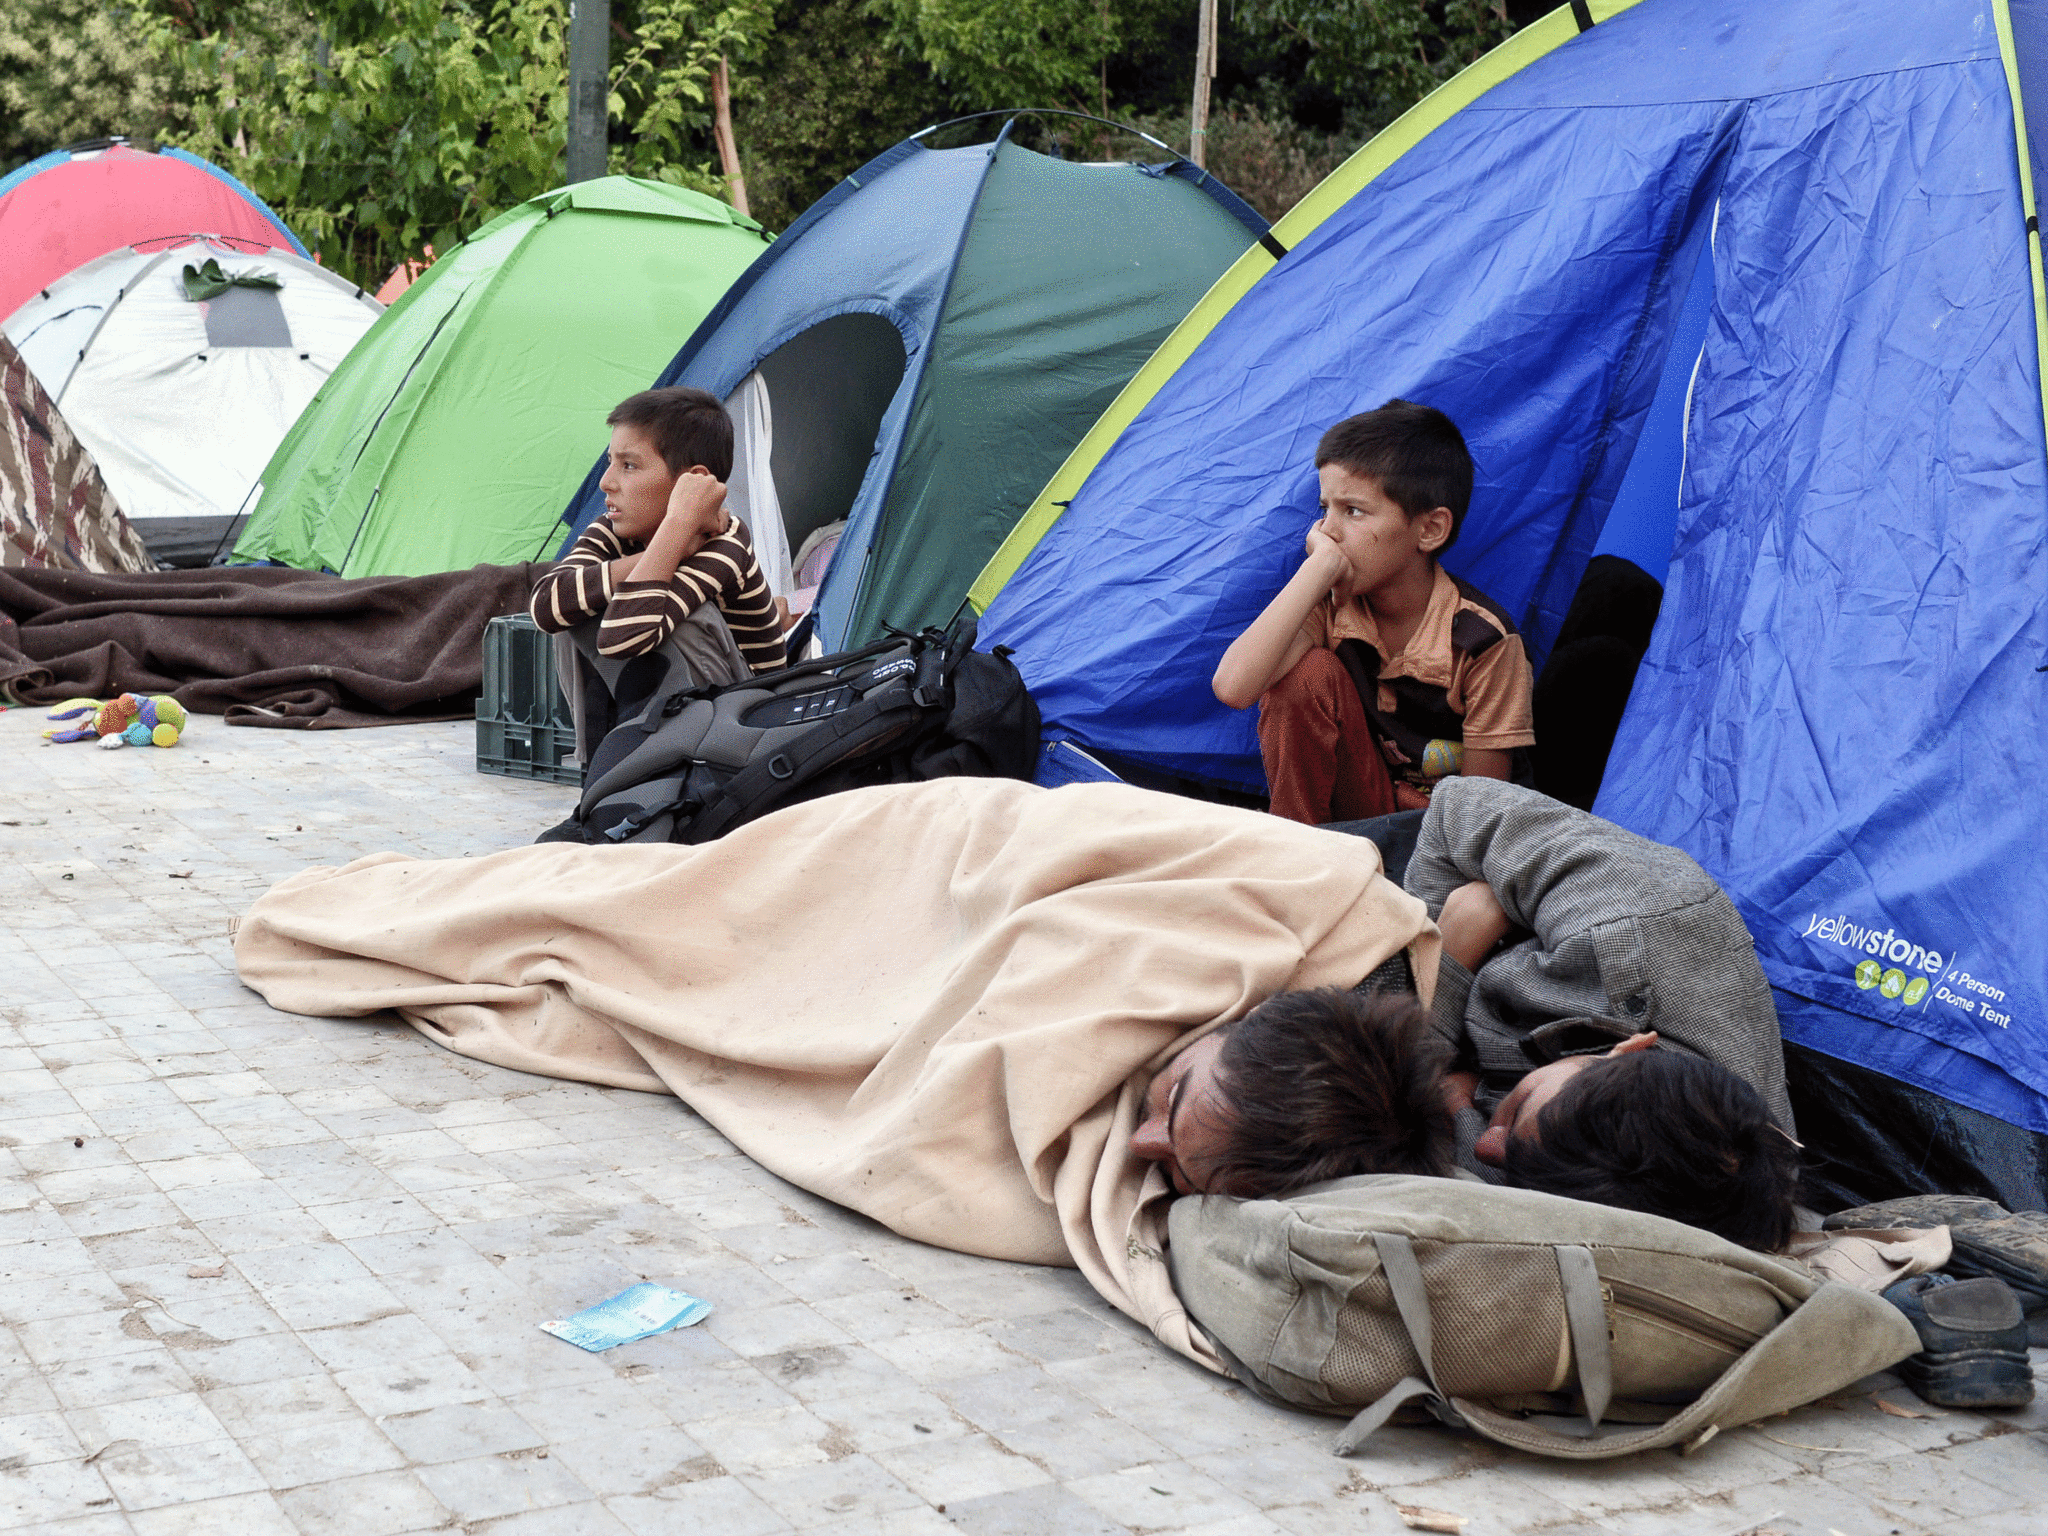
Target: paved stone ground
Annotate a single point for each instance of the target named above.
(260, 1273)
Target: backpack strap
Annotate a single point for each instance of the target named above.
(800, 761)
(1411, 1300)
(1585, 1310)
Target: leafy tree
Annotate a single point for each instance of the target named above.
(413, 134)
(828, 93)
(661, 84)
(1383, 56)
(76, 69)
(86, 69)
(1020, 53)
(412, 123)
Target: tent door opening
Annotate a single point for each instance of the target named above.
(830, 386)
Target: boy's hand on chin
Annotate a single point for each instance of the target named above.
(1326, 557)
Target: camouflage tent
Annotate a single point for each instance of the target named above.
(55, 510)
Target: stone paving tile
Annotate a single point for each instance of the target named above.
(260, 1273)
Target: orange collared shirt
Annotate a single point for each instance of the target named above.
(1463, 669)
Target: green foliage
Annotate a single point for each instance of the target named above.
(413, 123)
(410, 136)
(661, 85)
(1020, 53)
(1383, 56)
(828, 94)
(77, 69)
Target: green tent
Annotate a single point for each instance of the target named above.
(453, 432)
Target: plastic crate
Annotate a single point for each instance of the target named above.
(523, 726)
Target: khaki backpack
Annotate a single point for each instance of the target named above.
(1501, 1309)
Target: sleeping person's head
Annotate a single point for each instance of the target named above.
(1323, 1085)
(1307, 1086)
(1660, 1131)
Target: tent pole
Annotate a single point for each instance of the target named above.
(1205, 71)
(590, 64)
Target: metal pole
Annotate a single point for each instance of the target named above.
(1205, 71)
(590, 63)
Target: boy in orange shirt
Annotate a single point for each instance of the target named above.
(1376, 672)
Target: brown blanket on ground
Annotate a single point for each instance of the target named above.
(261, 645)
(936, 1003)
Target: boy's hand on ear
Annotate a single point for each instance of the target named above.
(698, 498)
(695, 516)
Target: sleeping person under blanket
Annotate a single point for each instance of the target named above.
(993, 1017)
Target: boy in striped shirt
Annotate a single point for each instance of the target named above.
(665, 545)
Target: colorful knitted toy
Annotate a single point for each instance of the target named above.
(128, 721)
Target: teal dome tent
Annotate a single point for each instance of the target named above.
(934, 335)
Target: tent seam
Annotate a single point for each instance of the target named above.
(120, 297)
(878, 524)
(2009, 58)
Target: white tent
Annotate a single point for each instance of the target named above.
(182, 399)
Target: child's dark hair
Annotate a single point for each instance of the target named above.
(1326, 1084)
(1671, 1134)
(1416, 452)
(688, 427)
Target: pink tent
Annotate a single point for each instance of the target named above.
(62, 210)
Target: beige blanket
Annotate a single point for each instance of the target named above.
(938, 1004)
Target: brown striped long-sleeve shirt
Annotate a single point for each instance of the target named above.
(639, 615)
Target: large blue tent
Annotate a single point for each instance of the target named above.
(1842, 458)
(935, 334)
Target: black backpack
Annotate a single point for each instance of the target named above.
(691, 766)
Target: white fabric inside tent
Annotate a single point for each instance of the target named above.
(180, 401)
(750, 491)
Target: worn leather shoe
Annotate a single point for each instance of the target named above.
(1917, 1211)
(1973, 1342)
(2010, 1248)
(1989, 1240)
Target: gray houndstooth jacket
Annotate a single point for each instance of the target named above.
(1628, 935)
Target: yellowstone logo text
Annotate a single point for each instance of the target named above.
(1885, 946)
(1955, 987)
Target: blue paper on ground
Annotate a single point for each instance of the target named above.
(638, 1312)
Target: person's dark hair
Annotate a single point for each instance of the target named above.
(688, 427)
(1671, 1134)
(1415, 452)
(1322, 1085)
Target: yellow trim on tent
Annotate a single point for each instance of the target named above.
(1297, 224)
(2009, 56)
